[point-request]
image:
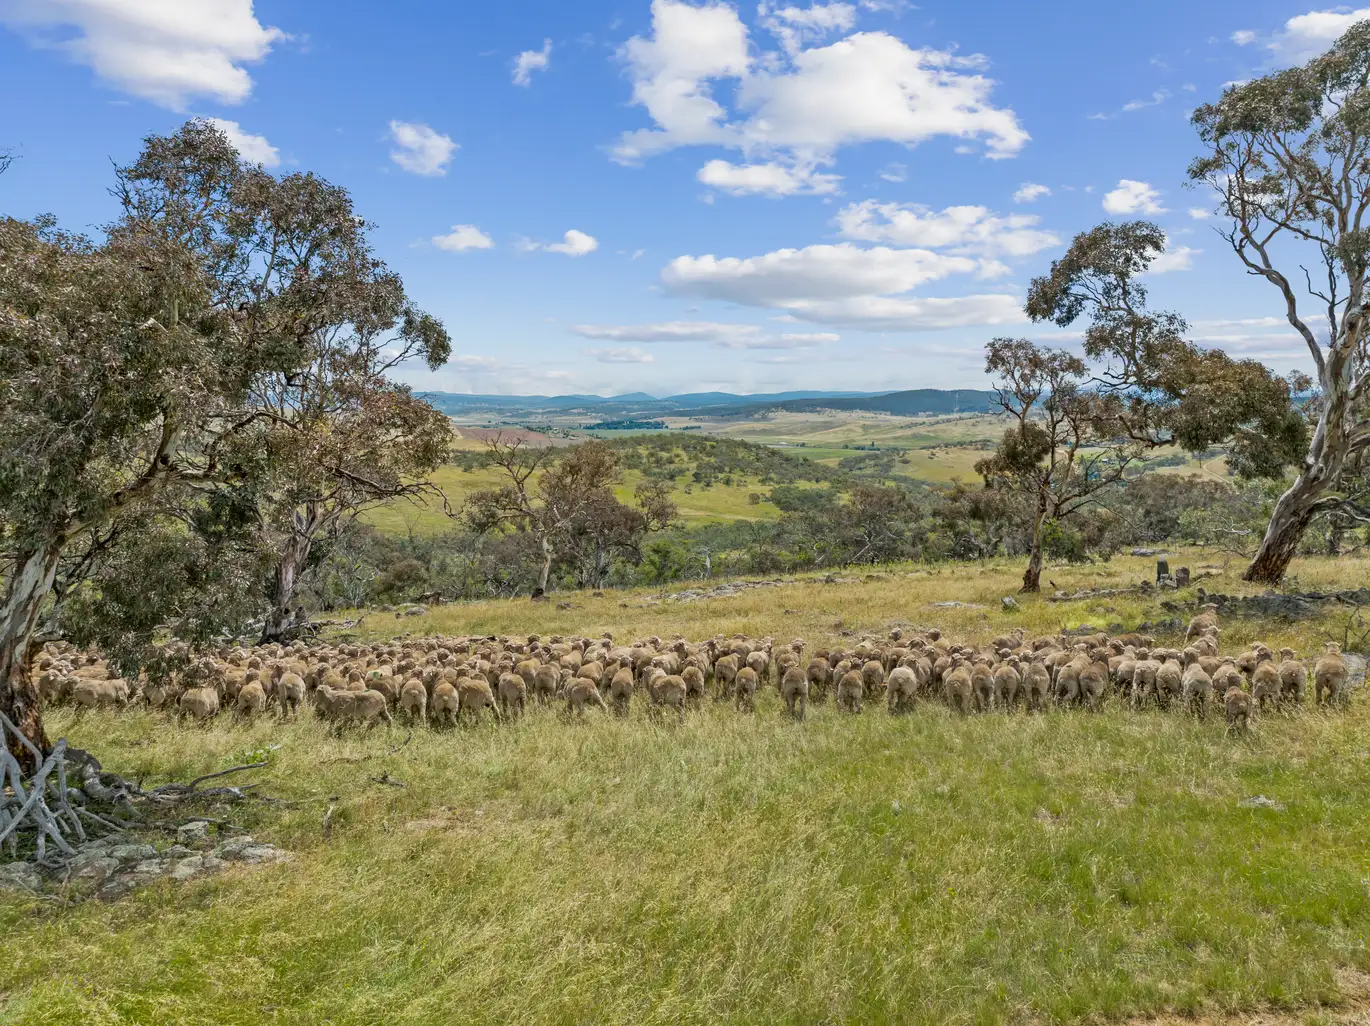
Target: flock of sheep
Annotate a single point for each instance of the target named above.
(441, 680)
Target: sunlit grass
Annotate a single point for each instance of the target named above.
(745, 869)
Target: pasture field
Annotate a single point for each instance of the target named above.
(1059, 868)
(424, 516)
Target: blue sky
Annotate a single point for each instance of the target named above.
(680, 195)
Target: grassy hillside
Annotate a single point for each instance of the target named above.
(745, 869)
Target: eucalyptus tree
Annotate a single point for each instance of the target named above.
(135, 368)
(1081, 422)
(1287, 156)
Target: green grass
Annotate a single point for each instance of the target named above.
(744, 869)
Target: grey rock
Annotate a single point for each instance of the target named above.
(132, 852)
(179, 851)
(115, 888)
(231, 849)
(151, 867)
(262, 854)
(1260, 801)
(187, 868)
(92, 866)
(20, 876)
(189, 833)
(1009, 603)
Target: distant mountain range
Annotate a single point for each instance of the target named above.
(718, 404)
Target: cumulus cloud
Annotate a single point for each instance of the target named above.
(843, 285)
(1243, 37)
(770, 179)
(808, 102)
(621, 354)
(252, 148)
(421, 150)
(574, 244)
(463, 237)
(530, 61)
(1200, 213)
(788, 276)
(1179, 258)
(796, 26)
(968, 230)
(1132, 197)
(1030, 192)
(669, 331)
(1307, 35)
(160, 50)
(725, 336)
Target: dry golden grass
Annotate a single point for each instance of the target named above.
(926, 869)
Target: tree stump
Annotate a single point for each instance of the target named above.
(1162, 569)
(1182, 577)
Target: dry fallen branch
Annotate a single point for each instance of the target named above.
(352, 760)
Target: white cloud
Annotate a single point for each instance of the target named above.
(670, 331)
(895, 173)
(1245, 322)
(891, 313)
(966, 230)
(573, 244)
(809, 102)
(771, 179)
(1308, 35)
(463, 237)
(621, 354)
(795, 26)
(1178, 258)
(1243, 37)
(671, 72)
(1200, 213)
(790, 276)
(165, 51)
(843, 286)
(530, 61)
(422, 150)
(252, 148)
(1132, 197)
(797, 340)
(488, 363)
(1030, 192)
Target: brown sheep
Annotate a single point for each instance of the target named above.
(725, 673)
(251, 700)
(1329, 676)
(1205, 623)
(1237, 704)
(872, 678)
(445, 704)
(621, 690)
(546, 683)
(414, 701)
(579, 691)
(794, 689)
(982, 686)
(902, 689)
(100, 694)
(1037, 685)
(1265, 683)
(290, 692)
(369, 707)
(850, 688)
(1293, 677)
(956, 682)
(745, 684)
(693, 677)
(1195, 688)
(198, 703)
(473, 695)
(513, 694)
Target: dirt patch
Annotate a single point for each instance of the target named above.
(1352, 1010)
(511, 434)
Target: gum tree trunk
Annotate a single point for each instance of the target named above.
(1297, 508)
(294, 555)
(23, 600)
(1032, 577)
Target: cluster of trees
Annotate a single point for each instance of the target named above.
(191, 401)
